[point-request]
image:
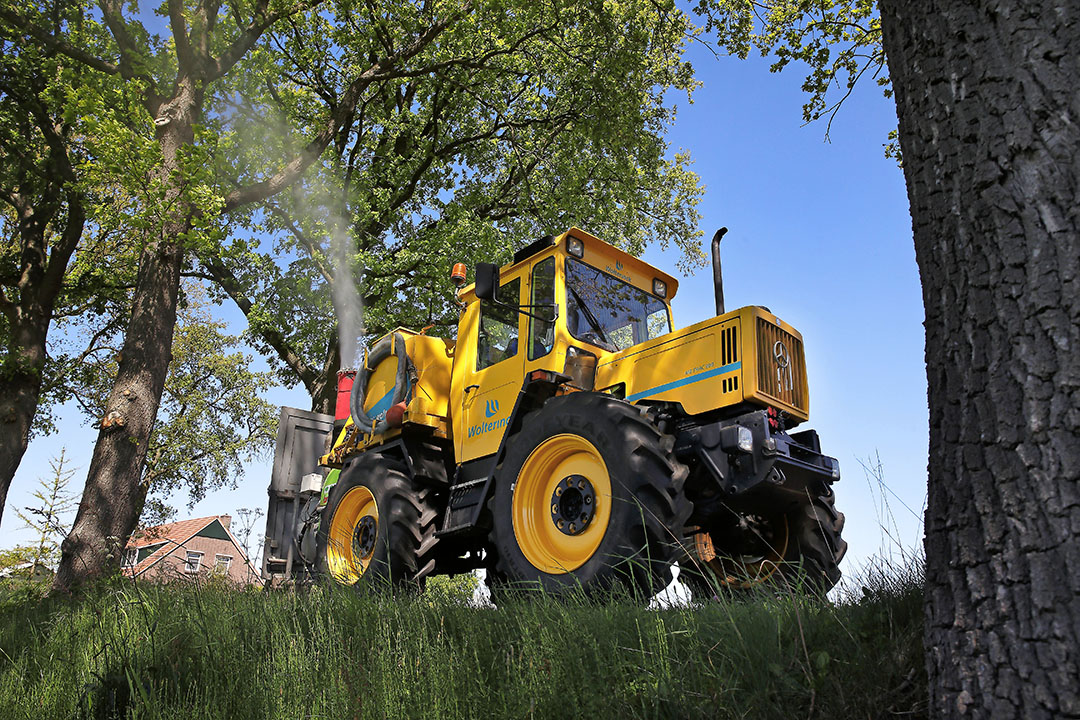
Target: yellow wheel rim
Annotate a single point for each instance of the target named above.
(557, 462)
(746, 570)
(353, 531)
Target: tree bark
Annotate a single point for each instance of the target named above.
(990, 133)
(20, 389)
(324, 389)
(29, 317)
(113, 496)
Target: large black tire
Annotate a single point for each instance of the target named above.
(817, 529)
(637, 527)
(808, 554)
(393, 550)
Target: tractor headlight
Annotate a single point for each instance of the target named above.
(575, 246)
(737, 437)
(746, 440)
(659, 288)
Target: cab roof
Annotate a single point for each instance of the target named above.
(595, 249)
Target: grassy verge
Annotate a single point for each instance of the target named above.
(212, 652)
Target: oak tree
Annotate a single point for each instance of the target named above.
(54, 115)
(173, 79)
(988, 108)
(213, 418)
(558, 119)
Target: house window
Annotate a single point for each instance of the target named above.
(222, 563)
(131, 557)
(193, 563)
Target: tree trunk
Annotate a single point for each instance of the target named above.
(323, 387)
(21, 372)
(113, 496)
(324, 394)
(990, 132)
(20, 389)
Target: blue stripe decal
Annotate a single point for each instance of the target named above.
(382, 406)
(685, 381)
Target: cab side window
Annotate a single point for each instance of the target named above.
(542, 332)
(498, 339)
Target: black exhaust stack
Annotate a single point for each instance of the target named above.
(718, 278)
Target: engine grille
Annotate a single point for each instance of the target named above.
(729, 355)
(729, 345)
(780, 365)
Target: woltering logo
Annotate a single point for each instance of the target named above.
(618, 264)
(491, 407)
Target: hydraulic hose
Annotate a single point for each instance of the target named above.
(393, 344)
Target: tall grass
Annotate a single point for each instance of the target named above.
(213, 652)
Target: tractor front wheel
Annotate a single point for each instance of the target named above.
(799, 549)
(588, 496)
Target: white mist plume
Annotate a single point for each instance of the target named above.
(321, 208)
(348, 305)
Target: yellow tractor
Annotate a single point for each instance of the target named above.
(568, 438)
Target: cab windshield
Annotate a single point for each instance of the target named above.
(609, 313)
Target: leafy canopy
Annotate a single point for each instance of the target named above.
(839, 42)
(534, 117)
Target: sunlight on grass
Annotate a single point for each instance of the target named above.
(198, 652)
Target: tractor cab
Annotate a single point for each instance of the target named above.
(563, 305)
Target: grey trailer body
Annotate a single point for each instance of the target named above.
(301, 440)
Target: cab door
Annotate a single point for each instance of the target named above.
(491, 379)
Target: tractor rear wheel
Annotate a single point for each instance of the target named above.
(800, 549)
(378, 526)
(588, 496)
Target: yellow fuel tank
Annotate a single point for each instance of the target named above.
(427, 396)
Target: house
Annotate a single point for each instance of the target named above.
(30, 571)
(189, 549)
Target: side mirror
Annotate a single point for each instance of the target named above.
(487, 280)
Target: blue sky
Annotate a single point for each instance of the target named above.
(819, 232)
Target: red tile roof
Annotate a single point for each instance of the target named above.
(177, 532)
(170, 536)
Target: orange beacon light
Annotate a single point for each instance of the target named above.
(457, 275)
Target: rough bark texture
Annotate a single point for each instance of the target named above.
(41, 272)
(114, 494)
(988, 107)
(19, 393)
(324, 389)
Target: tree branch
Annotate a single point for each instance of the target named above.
(260, 21)
(313, 250)
(129, 48)
(228, 282)
(184, 56)
(58, 44)
(381, 70)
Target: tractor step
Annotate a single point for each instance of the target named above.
(464, 507)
